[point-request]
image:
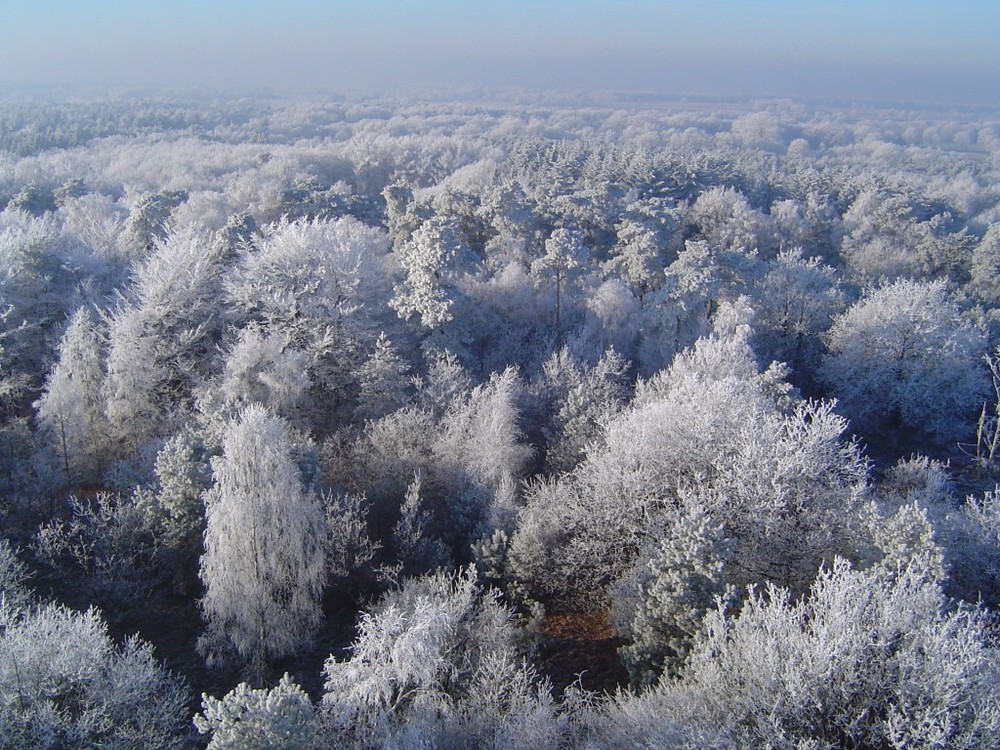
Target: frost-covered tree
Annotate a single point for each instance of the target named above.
(13, 577)
(480, 448)
(510, 214)
(71, 411)
(677, 586)
(162, 335)
(875, 226)
(446, 381)
(794, 303)
(402, 215)
(135, 407)
(773, 470)
(311, 273)
(262, 368)
(416, 550)
(612, 319)
(481, 435)
(906, 538)
(680, 312)
(383, 381)
(758, 130)
(892, 234)
(323, 286)
(95, 225)
(565, 258)
(173, 508)
(726, 220)
(147, 220)
(382, 458)
(582, 399)
(34, 200)
(101, 546)
(639, 253)
(462, 207)
(279, 718)
(432, 259)
(263, 566)
(437, 662)
(972, 547)
(36, 290)
(349, 548)
(869, 659)
(812, 224)
(985, 266)
(238, 231)
(903, 357)
(915, 514)
(64, 683)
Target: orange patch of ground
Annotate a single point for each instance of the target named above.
(580, 647)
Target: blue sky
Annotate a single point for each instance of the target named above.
(880, 49)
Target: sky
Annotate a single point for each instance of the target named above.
(940, 51)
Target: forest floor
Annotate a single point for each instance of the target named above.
(174, 629)
(580, 648)
(574, 648)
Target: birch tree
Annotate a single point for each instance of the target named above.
(71, 411)
(264, 562)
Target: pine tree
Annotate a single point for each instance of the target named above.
(280, 718)
(383, 380)
(683, 579)
(430, 259)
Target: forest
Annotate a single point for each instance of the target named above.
(498, 420)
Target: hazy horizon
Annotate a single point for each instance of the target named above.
(894, 51)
